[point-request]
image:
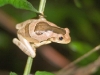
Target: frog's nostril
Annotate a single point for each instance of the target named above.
(60, 38)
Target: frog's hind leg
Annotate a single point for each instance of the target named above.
(25, 46)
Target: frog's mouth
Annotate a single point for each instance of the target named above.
(43, 27)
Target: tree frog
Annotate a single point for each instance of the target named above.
(33, 33)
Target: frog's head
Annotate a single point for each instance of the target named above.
(61, 38)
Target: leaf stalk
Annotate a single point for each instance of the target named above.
(42, 6)
(28, 66)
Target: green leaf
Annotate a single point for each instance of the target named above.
(80, 48)
(21, 4)
(43, 73)
(77, 3)
(5, 40)
(12, 73)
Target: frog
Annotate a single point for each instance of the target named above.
(36, 32)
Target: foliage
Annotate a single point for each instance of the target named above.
(37, 73)
(12, 73)
(80, 48)
(43, 73)
(21, 4)
(77, 3)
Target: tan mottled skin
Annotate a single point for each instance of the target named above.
(37, 32)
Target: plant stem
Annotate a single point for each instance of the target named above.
(42, 6)
(28, 66)
(30, 59)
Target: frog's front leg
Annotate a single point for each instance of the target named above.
(41, 43)
(25, 46)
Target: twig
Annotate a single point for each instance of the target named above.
(28, 66)
(30, 60)
(42, 6)
(78, 60)
(89, 69)
(84, 56)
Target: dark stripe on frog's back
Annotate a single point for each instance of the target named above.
(27, 35)
(27, 30)
(24, 31)
(42, 26)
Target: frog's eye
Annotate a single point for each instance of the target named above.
(60, 38)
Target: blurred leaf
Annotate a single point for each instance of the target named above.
(83, 26)
(12, 73)
(22, 4)
(89, 3)
(94, 15)
(43, 73)
(5, 40)
(81, 48)
(77, 3)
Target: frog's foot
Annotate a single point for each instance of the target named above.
(27, 49)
